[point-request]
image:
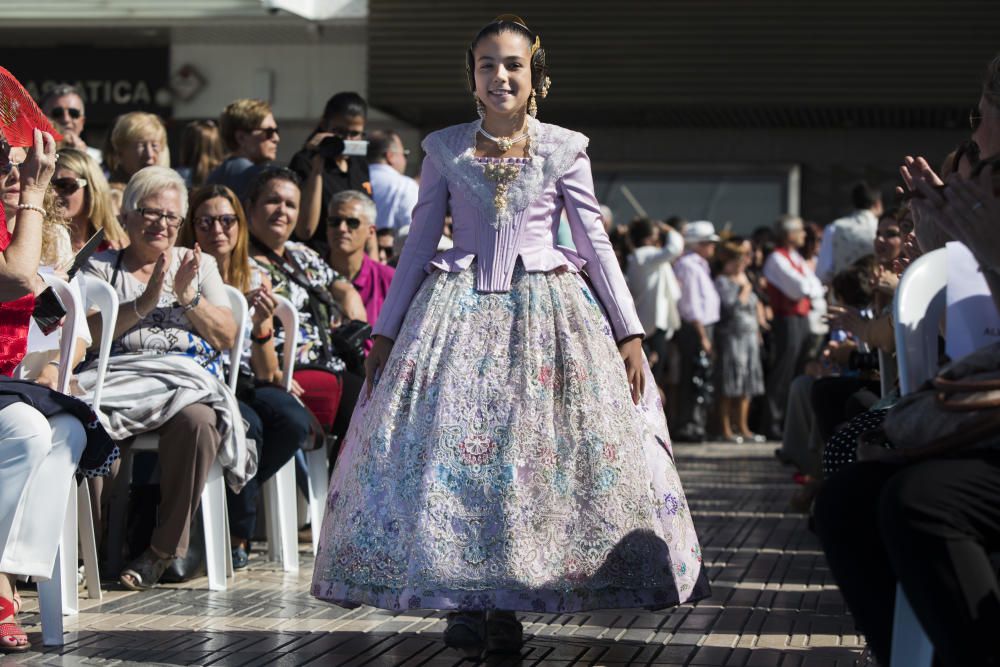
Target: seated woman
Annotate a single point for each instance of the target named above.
(42, 435)
(137, 140)
(278, 422)
(174, 322)
(322, 297)
(83, 195)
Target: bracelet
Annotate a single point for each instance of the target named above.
(135, 308)
(31, 207)
(260, 340)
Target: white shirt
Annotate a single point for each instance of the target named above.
(395, 196)
(654, 286)
(782, 274)
(845, 241)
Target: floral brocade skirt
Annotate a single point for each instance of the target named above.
(501, 463)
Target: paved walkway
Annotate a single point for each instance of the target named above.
(774, 604)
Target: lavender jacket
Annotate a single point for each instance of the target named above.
(556, 177)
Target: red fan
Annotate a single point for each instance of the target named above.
(19, 115)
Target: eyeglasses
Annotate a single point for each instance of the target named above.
(975, 119)
(69, 185)
(269, 132)
(335, 220)
(206, 223)
(153, 215)
(59, 112)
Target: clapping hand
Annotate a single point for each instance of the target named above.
(186, 280)
(845, 318)
(971, 213)
(151, 296)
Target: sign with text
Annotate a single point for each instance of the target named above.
(113, 81)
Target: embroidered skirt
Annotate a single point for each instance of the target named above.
(501, 463)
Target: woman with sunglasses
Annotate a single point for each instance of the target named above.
(251, 139)
(278, 422)
(83, 194)
(510, 451)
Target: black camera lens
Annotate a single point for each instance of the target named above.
(331, 147)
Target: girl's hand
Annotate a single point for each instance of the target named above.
(49, 376)
(631, 351)
(376, 360)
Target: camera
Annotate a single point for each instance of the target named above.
(334, 147)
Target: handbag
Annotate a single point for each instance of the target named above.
(957, 409)
(348, 341)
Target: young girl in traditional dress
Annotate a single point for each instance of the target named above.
(510, 452)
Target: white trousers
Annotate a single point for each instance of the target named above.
(37, 460)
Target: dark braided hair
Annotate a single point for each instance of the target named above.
(509, 23)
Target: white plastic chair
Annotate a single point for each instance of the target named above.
(280, 496)
(918, 309)
(58, 595)
(215, 522)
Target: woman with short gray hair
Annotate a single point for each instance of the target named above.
(174, 324)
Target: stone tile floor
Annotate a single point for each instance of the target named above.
(773, 604)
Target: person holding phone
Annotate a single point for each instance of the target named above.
(333, 160)
(510, 451)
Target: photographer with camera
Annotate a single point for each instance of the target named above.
(333, 160)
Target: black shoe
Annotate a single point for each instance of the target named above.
(466, 632)
(504, 633)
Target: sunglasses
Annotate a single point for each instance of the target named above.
(59, 112)
(206, 223)
(68, 185)
(889, 234)
(335, 220)
(269, 132)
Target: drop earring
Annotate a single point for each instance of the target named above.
(532, 105)
(480, 107)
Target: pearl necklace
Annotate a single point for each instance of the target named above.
(503, 143)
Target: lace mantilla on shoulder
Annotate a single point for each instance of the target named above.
(552, 150)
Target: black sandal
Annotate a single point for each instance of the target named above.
(145, 571)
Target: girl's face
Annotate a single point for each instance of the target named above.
(503, 72)
(70, 196)
(216, 227)
(888, 240)
(274, 214)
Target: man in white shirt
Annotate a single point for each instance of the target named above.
(791, 284)
(654, 287)
(848, 239)
(395, 194)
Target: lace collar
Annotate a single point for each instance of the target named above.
(552, 151)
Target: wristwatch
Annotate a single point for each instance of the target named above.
(193, 303)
